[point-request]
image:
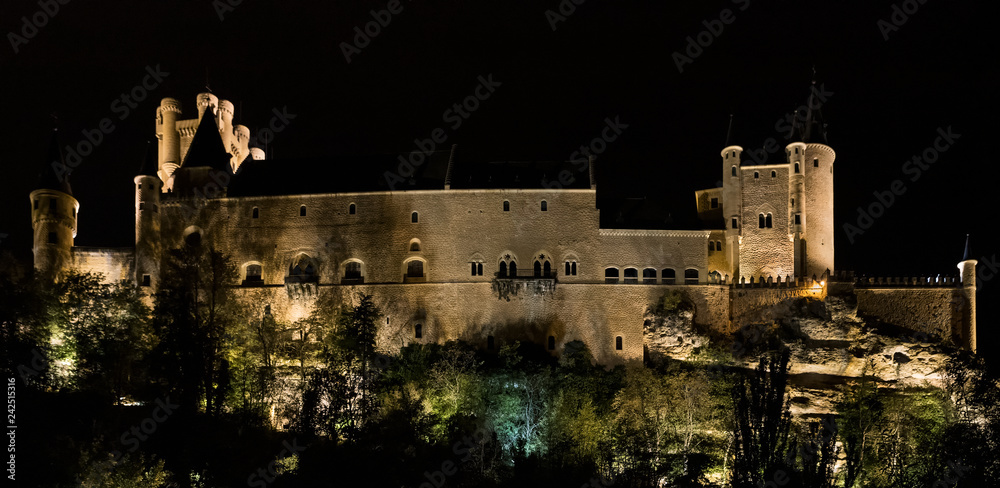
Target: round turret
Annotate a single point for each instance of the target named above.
(53, 222)
(257, 153)
(206, 100)
(147, 229)
(170, 143)
(817, 208)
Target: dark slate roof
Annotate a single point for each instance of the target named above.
(206, 147)
(645, 213)
(392, 172)
(54, 175)
(149, 162)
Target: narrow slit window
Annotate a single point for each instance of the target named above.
(618, 343)
(545, 206)
(796, 167)
(414, 218)
(418, 331)
(767, 221)
(255, 213)
(734, 171)
(506, 206)
(352, 209)
(735, 223)
(302, 211)
(815, 162)
(774, 174)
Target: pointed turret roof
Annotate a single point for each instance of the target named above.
(149, 162)
(206, 147)
(968, 249)
(729, 132)
(54, 175)
(813, 128)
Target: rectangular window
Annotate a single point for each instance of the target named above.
(142, 205)
(798, 219)
(734, 223)
(815, 162)
(145, 280)
(715, 203)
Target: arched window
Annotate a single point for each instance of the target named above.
(690, 276)
(618, 343)
(715, 277)
(253, 275)
(546, 269)
(734, 170)
(796, 167)
(352, 209)
(774, 174)
(513, 269)
(413, 217)
(736, 223)
(414, 246)
(256, 213)
(415, 269)
(649, 276)
(473, 269)
(767, 220)
(479, 269)
(506, 206)
(552, 343)
(668, 276)
(760, 221)
(611, 276)
(631, 276)
(538, 269)
(418, 331)
(352, 270)
(756, 174)
(503, 269)
(815, 162)
(545, 206)
(302, 211)
(718, 245)
(303, 269)
(711, 246)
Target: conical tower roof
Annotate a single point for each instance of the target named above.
(54, 175)
(149, 162)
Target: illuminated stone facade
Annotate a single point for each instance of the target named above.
(484, 264)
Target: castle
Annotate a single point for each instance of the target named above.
(484, 252)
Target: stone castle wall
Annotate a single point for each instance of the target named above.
(473, 311)
(931, 311)
(115, 264)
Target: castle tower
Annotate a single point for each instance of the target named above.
(967, 270)
(147, 224)
(732, 204)
(53, 216)
(814, 203)
(169, 137)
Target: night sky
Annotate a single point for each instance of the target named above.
(886, 99)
